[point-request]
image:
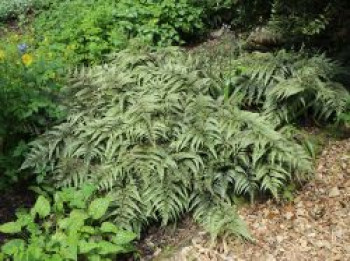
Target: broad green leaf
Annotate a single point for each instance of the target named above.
(59, 236)
(11, 228)
(88, 230)
(13, 246)
(88, 190)
(24, 219)
(98, 207)
(78, 215)
(86, 247)
(94, 258)
(35, 252)
(63, 223)
(42, 207)
(123, 237)
(108, 227)
(109, 248)
(72, 242)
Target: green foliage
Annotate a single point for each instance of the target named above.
(67, 229)
(344, 118)
(149, 130)
(301, 20)
(93, 28)
(29, 84)
(300, 17)
(239, 14)
(288, 86)
(15, 8)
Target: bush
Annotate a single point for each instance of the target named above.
(147, 130)
(67, 229)
(29, 85)
(94, 28)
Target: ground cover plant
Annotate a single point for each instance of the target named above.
(69, 229)
(289, 86)
(149, 133)
(147, 130)
(286, 86)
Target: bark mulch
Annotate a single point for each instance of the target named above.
(314, 226)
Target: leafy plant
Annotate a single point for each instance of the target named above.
(95, 28)
(67, 229)
(288, 86)
(345, 116)
(15, 8)
(29, 84)
(149, 130)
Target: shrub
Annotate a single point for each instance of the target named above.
(147, 130)
(67, 229)
(94, 28)
(29, 85)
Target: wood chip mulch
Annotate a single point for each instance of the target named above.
(314, 226)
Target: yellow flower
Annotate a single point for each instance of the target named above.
(27, 59)
(2, 55)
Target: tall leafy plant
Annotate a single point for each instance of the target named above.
(94, 28)
(29, 85)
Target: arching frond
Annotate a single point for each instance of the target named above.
(147, 130)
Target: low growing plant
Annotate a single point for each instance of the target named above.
(288, 86)
(149, 130)
(67, 227)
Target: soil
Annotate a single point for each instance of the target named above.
(313, 226)
(12, 199)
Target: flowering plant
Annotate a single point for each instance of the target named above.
(29, 85)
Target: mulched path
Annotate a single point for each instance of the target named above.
(314, 226)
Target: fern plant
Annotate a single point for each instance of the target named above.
(147, 130)
(287, 85)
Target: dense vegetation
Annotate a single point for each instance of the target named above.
(116, 130)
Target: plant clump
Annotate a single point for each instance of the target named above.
(149, 131)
